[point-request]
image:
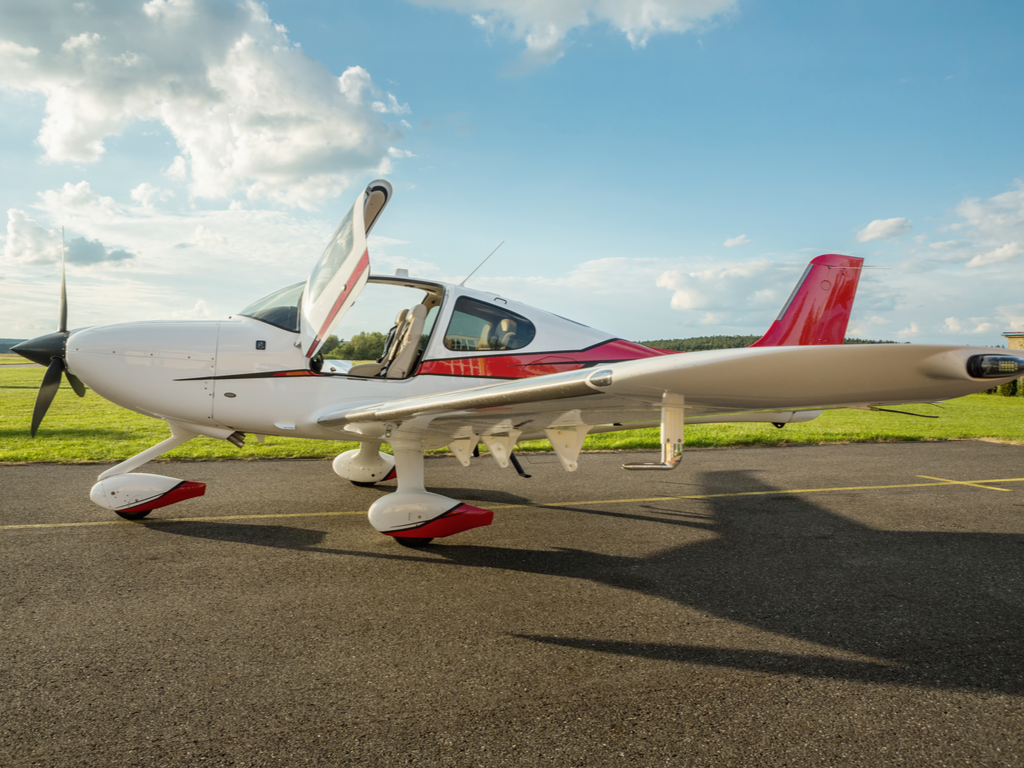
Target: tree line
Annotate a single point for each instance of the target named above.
(701, 343)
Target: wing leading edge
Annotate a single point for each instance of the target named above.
(733, 381)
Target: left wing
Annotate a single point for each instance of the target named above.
(773, 380)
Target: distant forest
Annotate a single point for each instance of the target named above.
(700, 343)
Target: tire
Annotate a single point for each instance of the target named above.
(363, 485)
(133, 515)
(411, 542)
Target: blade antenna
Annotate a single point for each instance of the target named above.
(482, 263)
(63, 288)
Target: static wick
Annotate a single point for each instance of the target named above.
(482, 263)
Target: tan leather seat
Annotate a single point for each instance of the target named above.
(485, 336)
(408, 345)
(372, 369)
(506, 333)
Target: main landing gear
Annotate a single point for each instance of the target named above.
(413, 515)
(365, 466)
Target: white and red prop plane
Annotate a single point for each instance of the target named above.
(463, 367)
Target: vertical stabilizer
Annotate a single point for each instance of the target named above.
(818, 310)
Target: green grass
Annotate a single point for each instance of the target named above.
(13, 359)
(93, 430)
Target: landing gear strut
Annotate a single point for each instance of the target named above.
(412, 513)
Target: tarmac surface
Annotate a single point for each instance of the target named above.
(839, 605)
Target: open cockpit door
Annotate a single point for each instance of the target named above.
(343, 269)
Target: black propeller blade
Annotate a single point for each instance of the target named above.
(50, 350)
(47, 391)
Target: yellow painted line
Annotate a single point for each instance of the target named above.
(940, 482)
(159, 521)
(976, 484)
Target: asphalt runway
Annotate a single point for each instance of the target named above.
(841, 605)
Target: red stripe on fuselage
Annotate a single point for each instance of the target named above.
(524, 366)
(362, 266)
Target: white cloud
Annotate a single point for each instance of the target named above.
(732, 286)
(178, 169)
(1000, 217)
(226, 258)
(1002, 253)
(146, 194)
(28, 242)
(544, 26)
(81, 250)
(884, 229)
(732, 242)
(1011, 316)
(910, 330)
(249, 110)
(199, 312)
(953, 325)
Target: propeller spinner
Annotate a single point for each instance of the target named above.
(51, 350)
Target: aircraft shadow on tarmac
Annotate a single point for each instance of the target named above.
(930, 609)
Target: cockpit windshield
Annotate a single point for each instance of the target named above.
(280, 308)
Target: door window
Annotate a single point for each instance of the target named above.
(478, 326)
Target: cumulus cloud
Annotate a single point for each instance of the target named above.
(1002, 253)
(198, 312)
(28, 242)
(233, 257)
(249, 110)
(83, 251)
(1012, 316)
(732, 242)
(953, 325)
(732, 286)
(148, 195)
(1000, 217)
(884, 229)
(544, 26)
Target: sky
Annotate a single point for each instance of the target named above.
(654, 168)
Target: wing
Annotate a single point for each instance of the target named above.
(714, 385)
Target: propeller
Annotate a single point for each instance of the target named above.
(51, 350)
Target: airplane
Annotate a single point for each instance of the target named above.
(463, 366)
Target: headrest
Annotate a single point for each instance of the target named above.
(508, 324)
(401, 317)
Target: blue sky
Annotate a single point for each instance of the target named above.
(656, 169)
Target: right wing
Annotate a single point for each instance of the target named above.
(774, 381)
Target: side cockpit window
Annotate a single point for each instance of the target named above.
(281, 308)
(478, 326)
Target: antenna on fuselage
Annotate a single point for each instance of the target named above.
(482, 263)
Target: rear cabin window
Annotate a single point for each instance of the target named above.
(478, 326)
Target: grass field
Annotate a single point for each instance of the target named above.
(93, 430)
(13, 359)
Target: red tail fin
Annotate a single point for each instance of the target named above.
(818, 310)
